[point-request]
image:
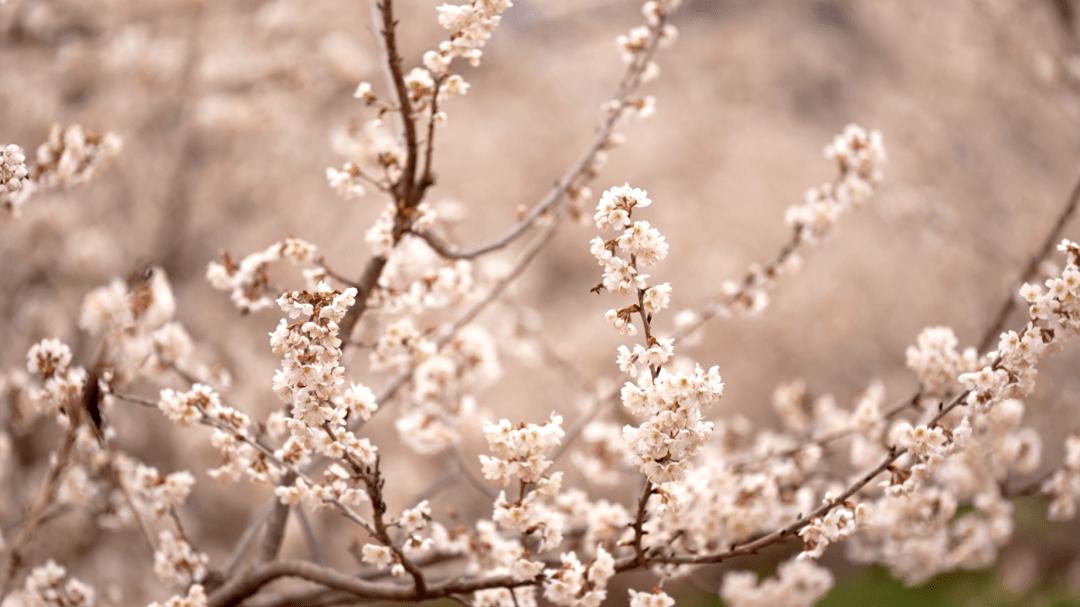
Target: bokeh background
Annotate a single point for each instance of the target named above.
(227, 112)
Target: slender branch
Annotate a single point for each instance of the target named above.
(599, 405)
(374, 484)
(639, 523)
(497, 289)
(309, 535)
(427, 178)
(268, 453)
(1032, 269)
(472, 479)
(236, 591)
(246, 538)
(367, 283)
(404, 189)
(579, 172)
(275, 525)
(34, 517)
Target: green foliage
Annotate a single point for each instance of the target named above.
(874, 586)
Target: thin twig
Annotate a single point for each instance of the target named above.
(35, 515)
(237, 590)
(404, 188)
(275, 525)
(467, 473)
(309, 535)
(493, 293)
(1032, 269)
(246, 539)
(573, 176)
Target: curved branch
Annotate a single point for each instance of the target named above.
(232, 593)
(581, 169)
(1052, 238)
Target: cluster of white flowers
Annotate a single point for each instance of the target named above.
(415, 278)
(860, 155)
(674, 430)
(440, 398)
(152, 493)
(232, 436)
(838, 524)
(641, 242)
(248, 282)
(48, 357)
(375, 156)
(72, 156)
(578, 585)
(50, 586)
(346, 182)
(798, 583)
(634, 47)
(521, 452)
(176, 563)
(491, 552)
(63, 384)
(1054, 318)
(135, 317)
(471, 26)
(656, 598)
(196, 597)
(311, 381)
(13, 178)
(935, 359)
(69, 157)
(143, 495)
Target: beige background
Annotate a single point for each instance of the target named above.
(226, 109)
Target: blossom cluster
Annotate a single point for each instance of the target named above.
(69, 157)
(380, 160)
(936, 360)
(520, 452)
(471, 26)
(248, 281)
(675, 430)
(578, 584)
(310, 381)
(860, 155)
(643, 244)
(798, 583)
(13, 176)
(232, 435)
(176, 563)
(50, 585)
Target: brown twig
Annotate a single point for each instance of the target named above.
(35, 515)
(575, 176)
(275, 525)
(404, 188)
(1032, 269)
(237, 590)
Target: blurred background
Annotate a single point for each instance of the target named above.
(227, 111)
